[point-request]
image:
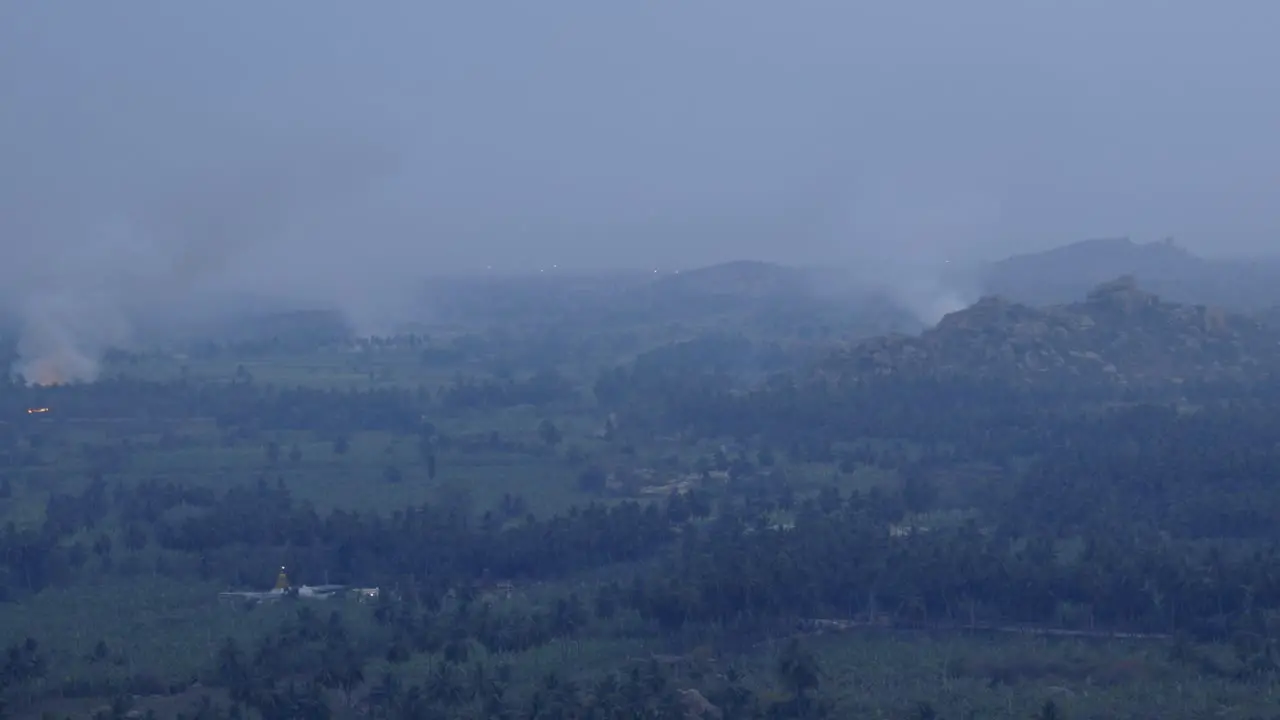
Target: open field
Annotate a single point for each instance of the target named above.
(632, 534)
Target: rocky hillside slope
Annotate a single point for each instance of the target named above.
(1063, 274)
(1118, 334)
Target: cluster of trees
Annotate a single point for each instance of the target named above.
(438, 562)
(708, 363)
(539, 390)
(1203, 474)
(1101, 509)
(461, 686)
(842, 559)
(247, 412)
(733, 570)
(243, 404)
(23, 663)
(242, 534)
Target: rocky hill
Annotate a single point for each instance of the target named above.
(1118, 334)
(740, 278)
(1065, 273)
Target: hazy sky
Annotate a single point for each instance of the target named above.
(324, 144)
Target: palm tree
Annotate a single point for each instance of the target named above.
(1049, 711)
(798, 670)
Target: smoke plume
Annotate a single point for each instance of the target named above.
(910, 238)
(213, 228)
(63, 337)
(69, 312)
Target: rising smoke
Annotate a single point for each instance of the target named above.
(70, 313)
(213, 229)
(926, 294)
(910, 238)
(63, 336)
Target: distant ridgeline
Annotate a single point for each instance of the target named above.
(1063, 274)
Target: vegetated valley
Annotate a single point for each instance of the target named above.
(703, 508)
